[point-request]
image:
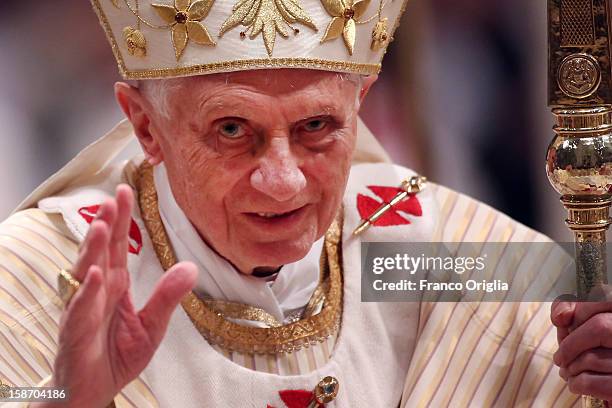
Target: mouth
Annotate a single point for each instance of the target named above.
(271, 218)
(275, 215)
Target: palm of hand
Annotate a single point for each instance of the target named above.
(104, 341)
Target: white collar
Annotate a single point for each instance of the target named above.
(291, 290)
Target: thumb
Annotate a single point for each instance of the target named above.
(170, 289)
(562, 310)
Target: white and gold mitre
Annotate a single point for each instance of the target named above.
(173, 38)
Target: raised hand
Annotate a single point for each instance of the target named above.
(104, 343)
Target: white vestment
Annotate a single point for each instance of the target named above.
(441, 354)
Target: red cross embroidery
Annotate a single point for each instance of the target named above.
(297, 399)
(367, 205)
(135, 237)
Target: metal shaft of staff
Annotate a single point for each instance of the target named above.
(579, 159)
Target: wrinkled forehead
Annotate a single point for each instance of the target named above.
(265, 81)
(286, 80)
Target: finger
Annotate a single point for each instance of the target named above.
(85, 310)
(106, 214)
(596, 360)
(562, 333)
(593, 384)
(118, 279)
(91, 250)
(562, 314)
(171, 288)
(595, 332)
(562, 310)
(563, 373)
(119, 238)
(585, 310)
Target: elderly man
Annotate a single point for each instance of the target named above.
(256, 171)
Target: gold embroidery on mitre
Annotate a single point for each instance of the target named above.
(267, 17)
(185, 19)
(135, 41)
(214, 327)
(345, 13)
(380, 34)
(362, 68)
(115, 3)
(255, 63)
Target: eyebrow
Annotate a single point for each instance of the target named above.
(240, 108)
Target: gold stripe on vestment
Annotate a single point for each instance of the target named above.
(52, 223)
(6, 377)
(26, 340)
(468, 346)
(495, 389)
(439, 332)
(36, 241)
(518, 375)
(23, 364)
(25, 335)
(484, 335)
(28, 270)
(26, 316)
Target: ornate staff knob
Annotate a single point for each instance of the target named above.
(579, 159)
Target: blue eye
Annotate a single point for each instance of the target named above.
(315, 125)
(232, 129)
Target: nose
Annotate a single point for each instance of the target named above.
(278, 174)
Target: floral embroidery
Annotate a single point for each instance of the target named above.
(267, 17)
(184, 19)
(345, 14)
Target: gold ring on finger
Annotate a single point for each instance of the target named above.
(67, 285)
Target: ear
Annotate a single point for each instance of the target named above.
(138, 111)
(368, 81)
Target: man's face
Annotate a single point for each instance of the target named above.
(259, 160)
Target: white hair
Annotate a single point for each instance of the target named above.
(159, 91)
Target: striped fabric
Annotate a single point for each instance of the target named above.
(34, 246)
(468, 354)
(491, 353)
